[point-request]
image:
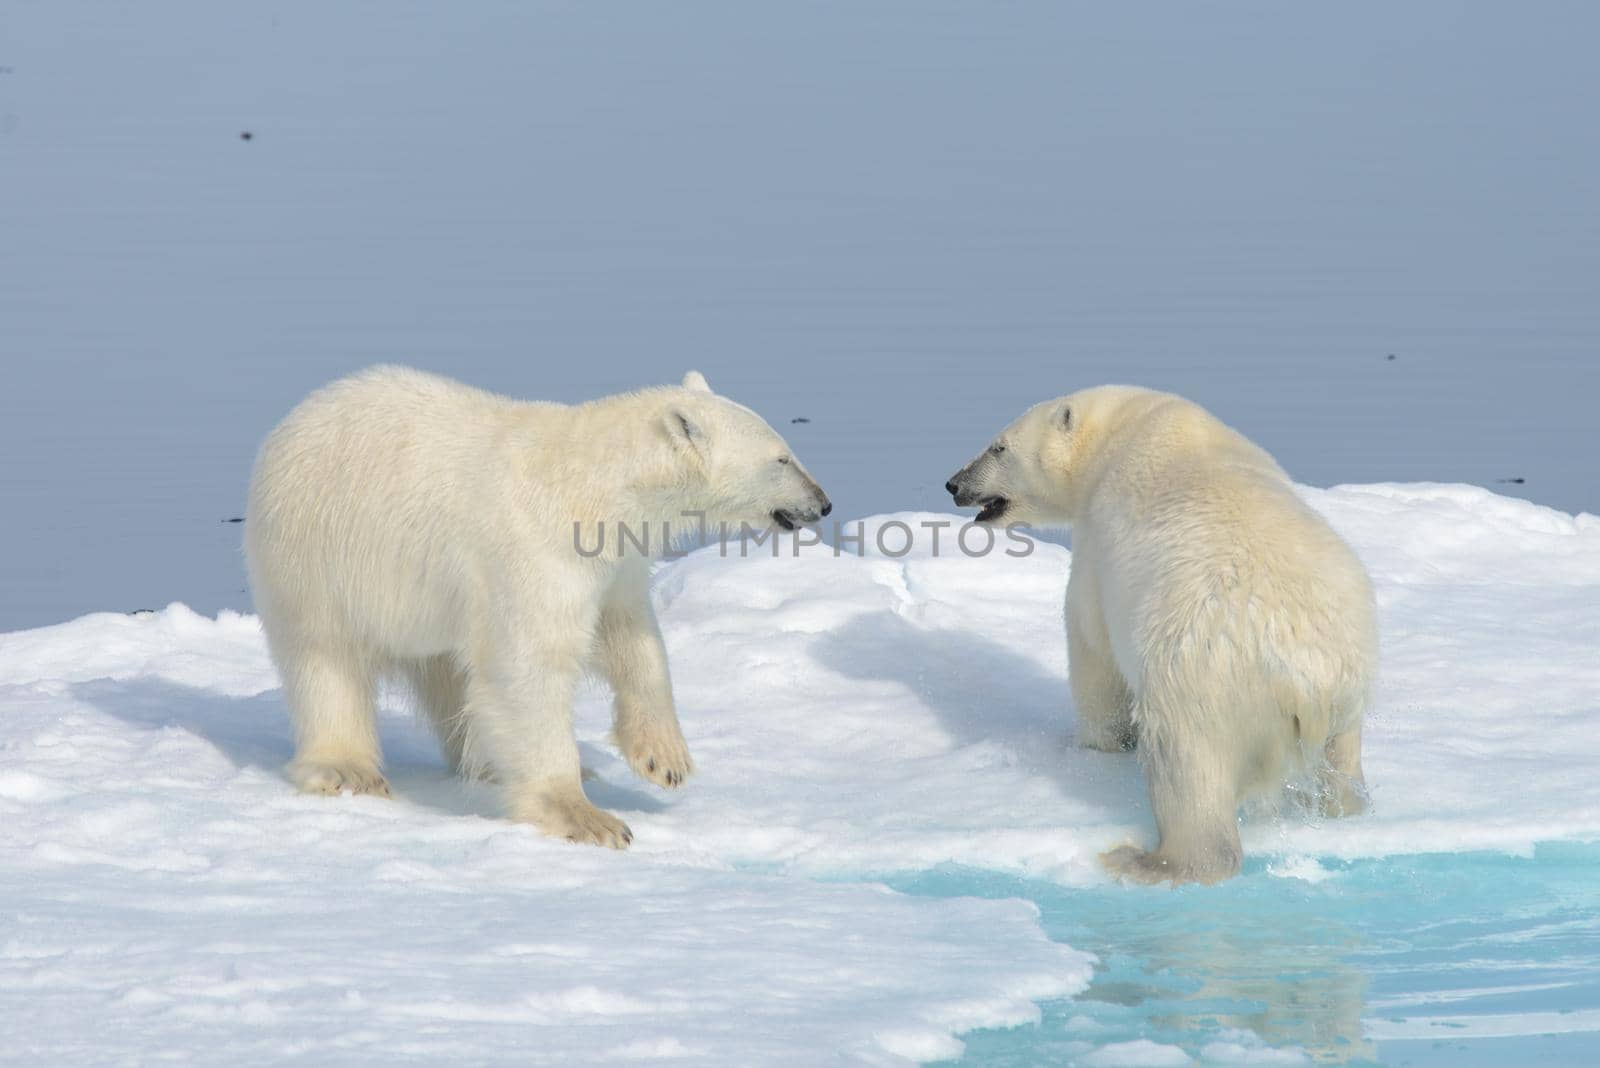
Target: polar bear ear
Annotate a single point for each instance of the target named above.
(1064, 420)
(696, 382)
(684, 432)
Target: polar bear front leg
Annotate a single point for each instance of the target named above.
(634, 661)
(1105, 707)
(522, 706)
(1099, 692)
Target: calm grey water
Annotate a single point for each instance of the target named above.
(905, 222)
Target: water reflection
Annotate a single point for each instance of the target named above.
(1269, 962)
(1447, 959)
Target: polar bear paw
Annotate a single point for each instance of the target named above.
(319, 777)
(1133, 864)
(656, 752)
(1340, 795)
(1108, 738)
(576, 820)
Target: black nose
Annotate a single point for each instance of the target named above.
(950, 487)
(826, 508)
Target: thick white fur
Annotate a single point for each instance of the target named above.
(1213, 619)
(401, 524)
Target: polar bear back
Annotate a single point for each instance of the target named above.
(335, 523)
(1214, 577)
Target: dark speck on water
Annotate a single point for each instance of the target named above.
(235, 519)
(1391, 356)
(247, 135)
(799, 419)
(1519, 480)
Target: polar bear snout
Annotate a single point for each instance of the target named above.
(811, 506)
(969, 491)
(791, 518)
(964, 496)
(969, 485)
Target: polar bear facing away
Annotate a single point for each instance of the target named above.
(1213, 619)
(404, 525)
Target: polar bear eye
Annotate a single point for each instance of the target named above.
(997, 448)
(783, 459)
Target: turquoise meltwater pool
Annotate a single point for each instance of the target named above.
(1452, 959)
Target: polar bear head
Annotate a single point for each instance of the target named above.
(1037, 470)
(740, 469)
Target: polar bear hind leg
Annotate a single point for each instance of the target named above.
(330, 697)
(1344, 787)
(1194, 795)
(440, 688)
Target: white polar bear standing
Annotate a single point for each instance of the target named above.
(401, 524)
(1213, 618)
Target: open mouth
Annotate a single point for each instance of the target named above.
(992, 508)
(786, 520)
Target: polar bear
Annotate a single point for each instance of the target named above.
(1213, 619)
(404, 525)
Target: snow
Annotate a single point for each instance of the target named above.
(851, 717)
(1337, 235)
(165, 891)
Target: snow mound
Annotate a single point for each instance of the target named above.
(866, 713)
(850, 716)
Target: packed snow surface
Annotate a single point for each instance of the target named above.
(853, 718)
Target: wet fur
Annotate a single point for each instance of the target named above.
(1214, 621)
